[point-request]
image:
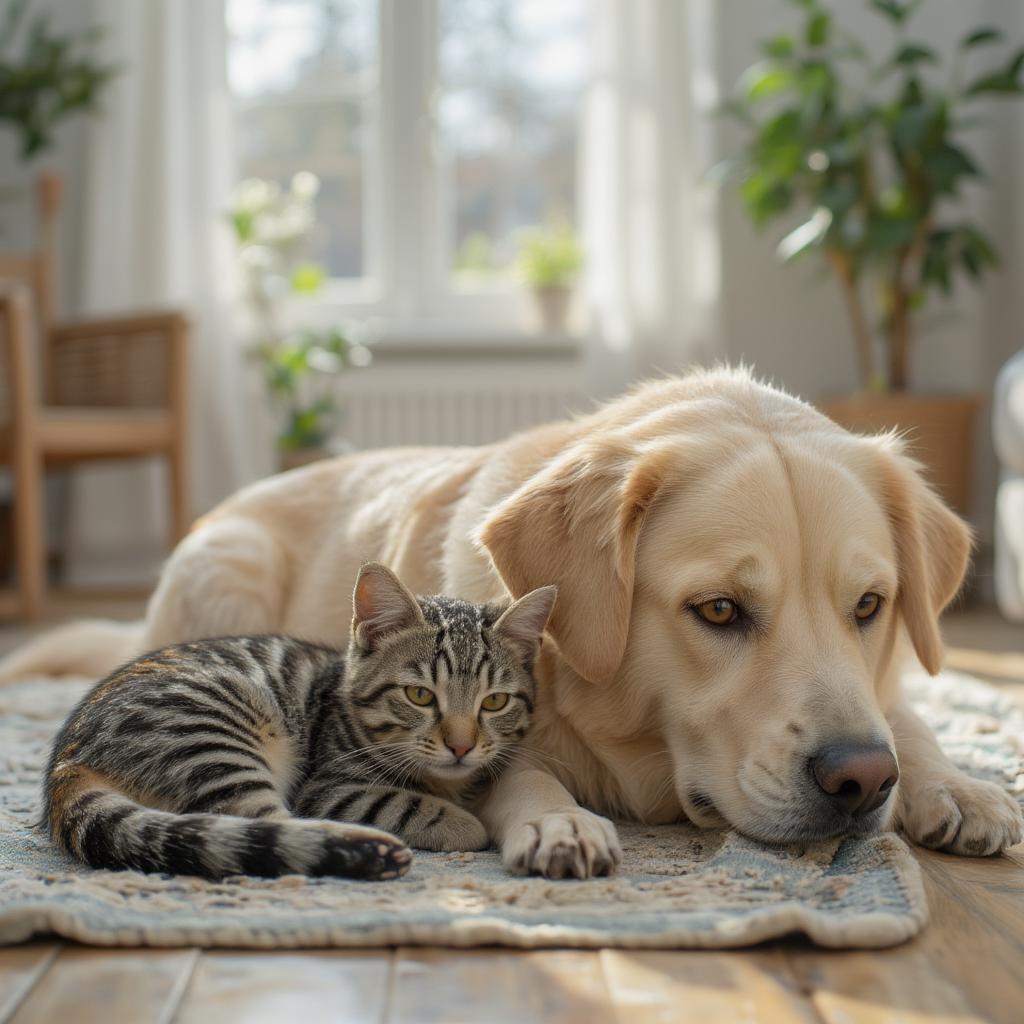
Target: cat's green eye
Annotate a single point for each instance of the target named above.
(494, 701)
(420, 695)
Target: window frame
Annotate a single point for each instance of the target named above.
(407, 289)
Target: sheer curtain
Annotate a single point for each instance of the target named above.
(648, 214)
(158, 174)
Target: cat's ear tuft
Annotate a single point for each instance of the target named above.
(382, 605)
(522, 624)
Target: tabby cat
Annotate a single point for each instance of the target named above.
(258, 755)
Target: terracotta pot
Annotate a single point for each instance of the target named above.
(552, 304)
(939, 430)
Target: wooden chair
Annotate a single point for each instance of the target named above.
(110, 389)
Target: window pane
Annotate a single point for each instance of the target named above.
(512, 78)
(303, 73)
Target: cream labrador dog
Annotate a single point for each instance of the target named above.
(739, 582)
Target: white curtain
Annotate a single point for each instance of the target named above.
(159, 171)
(648, 212)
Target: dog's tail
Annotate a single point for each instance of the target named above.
(91, 647)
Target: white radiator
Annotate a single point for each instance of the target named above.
(455, 404)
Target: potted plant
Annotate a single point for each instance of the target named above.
(869, 153)
(550, 259)
(298, 365)
(45, 77)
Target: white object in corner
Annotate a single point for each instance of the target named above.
(1008, 436)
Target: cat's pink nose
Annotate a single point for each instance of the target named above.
(460, 750)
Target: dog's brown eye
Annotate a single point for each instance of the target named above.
(867, 607)
(719, 612)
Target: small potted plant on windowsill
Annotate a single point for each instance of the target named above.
(298, 365)
(871, 155)
(550, 260)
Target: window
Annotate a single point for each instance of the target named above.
(439, 129)
(304, 77)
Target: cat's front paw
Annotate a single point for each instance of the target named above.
(450, 828)
(563, 844)
(958, 814)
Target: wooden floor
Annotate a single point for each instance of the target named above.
(968, 965)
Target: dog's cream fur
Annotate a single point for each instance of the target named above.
(688, 489)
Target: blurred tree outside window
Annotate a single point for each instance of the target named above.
(512, 78)
(304, 74)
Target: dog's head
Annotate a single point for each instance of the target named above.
(737, 573)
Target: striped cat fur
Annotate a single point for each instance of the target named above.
(267, 755)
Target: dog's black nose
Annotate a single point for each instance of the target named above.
(856, 777)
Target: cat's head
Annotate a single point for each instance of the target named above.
(447, 686)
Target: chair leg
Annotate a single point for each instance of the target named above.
(30, 534)
(181, 518)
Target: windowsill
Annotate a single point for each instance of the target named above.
(431, 342)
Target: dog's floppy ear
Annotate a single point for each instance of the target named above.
(933, 546)
(575, 525)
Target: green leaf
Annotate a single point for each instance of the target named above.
(307, 278)
(838, 198)
(241, 221)
(913, 93)
(765, 198)
(818, 27)
(764, 80)
(779, 47)
(981, 37)
(983, 252)
(844, 152)
(935, 269)
(912, 54)
(947, 164)
(911, 125)
(1005, 82)
(884, 236)
(892, 9)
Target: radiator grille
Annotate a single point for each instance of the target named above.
(384, 409)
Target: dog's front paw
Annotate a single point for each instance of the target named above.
(563, 844)
(958, 814)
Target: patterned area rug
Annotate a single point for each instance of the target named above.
(678, 887)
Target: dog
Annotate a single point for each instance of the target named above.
(741, 582)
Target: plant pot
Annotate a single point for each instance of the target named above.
(552, 304)
(939, 431)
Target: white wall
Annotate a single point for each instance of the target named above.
(789, 321)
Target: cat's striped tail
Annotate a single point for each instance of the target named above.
(106, 829)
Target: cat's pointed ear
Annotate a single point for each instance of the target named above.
(522, 624)
(382, 605)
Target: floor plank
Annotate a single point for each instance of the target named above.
(717, 988)
(21, 969)
(100, 986)
(438, 986)
(967, 965)
(304, 987)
